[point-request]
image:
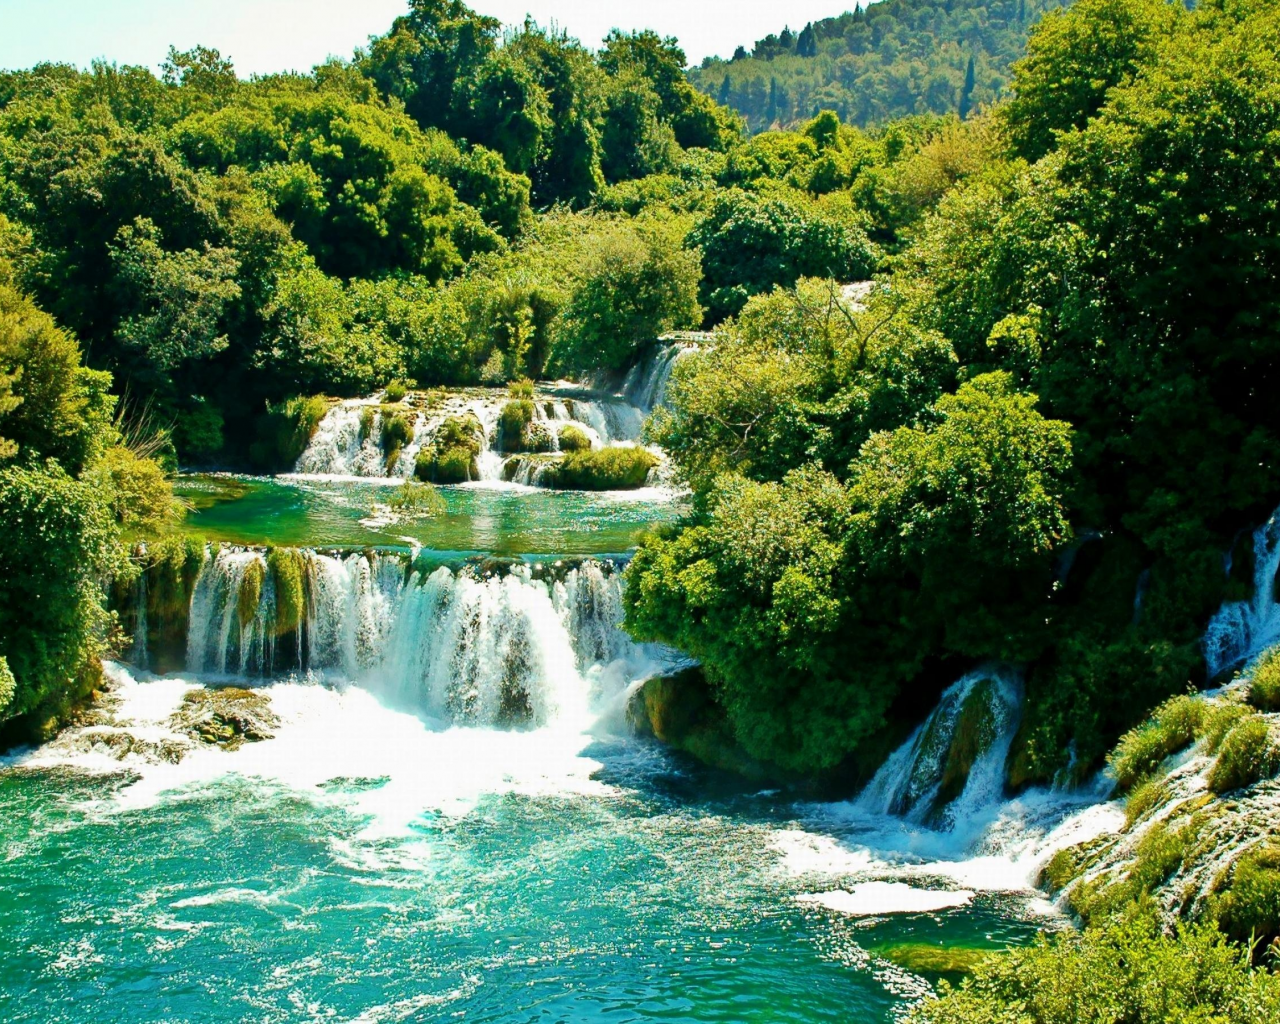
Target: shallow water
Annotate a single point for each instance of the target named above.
(363, 866)
(505, 520)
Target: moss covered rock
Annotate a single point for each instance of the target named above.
(573, 439)
(679, 711)
(621, 468)
(451, 458)
(227, 717)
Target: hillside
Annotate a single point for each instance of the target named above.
(894, 58)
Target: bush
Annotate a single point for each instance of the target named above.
(1249, 908)
(368, 417)
(417, 499)
(601, 469)
(250, 595)
(513, 425)
(1264, 682)
(1127, 970)
(451, 457)
(284, 432)
(1140, 751)
(397, 431)
(573, 439)
(396, 391)
(1247, 755)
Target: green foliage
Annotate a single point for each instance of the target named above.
(288, 569)
(573, 439)
(637, 283)
(1247, 755)
(249, 596)
(285, 430)
(1248, 907)
(451, 456)
(396, 391)
(59, 541)
(417, 499)
(1264, 681)
(1073, 58)
(1173, 726)
(750, 243)
(871, 65)
(1128, 969)
(616, 468)
(397, 431)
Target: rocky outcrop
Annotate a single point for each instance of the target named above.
(227, 718)
(679, 710)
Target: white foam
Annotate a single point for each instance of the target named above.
(875, 898)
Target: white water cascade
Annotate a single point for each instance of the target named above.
(527, 646)
(964, 743)
(1242, 629)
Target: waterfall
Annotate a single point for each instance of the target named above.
(348, 440)
(951, 769)
(1242, 629)
(646, 384)
(138, 649)
(529, 645)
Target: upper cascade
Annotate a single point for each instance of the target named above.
(353, 438)
(952, 768)
(1242, 629)
(532, 645)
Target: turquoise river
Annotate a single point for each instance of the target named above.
(399, 850)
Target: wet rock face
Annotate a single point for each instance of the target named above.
(228, 717)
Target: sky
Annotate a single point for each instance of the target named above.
(277, 35)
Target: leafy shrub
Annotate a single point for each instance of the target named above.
(451, 457)
(417, 499)
(1248, 909)
(573, 439)
(396, 391)
(285, 430)
(397, 431)
(1247, 755)
(1264, 682)
(602, 469)
(513, 425)
(368, 417)
(1128, 969)
(1172, 727)
(250, 594)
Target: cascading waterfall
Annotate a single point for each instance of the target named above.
(646, 384)
(952, 767)
(1242, 629)
(531, 645)
(342, 446)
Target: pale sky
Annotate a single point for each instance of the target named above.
(277, 35)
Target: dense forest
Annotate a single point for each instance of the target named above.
(1039, 437)
(877, 62)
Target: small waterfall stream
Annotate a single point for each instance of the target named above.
(347, 443)
(953, 766)
(1242, 629)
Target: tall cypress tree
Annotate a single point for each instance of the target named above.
(966, 93)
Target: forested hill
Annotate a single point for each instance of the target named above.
(894, 58)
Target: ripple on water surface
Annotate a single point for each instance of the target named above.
(362, 867)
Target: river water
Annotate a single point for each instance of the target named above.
(406, 848)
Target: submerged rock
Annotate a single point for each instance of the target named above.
(226, 717)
